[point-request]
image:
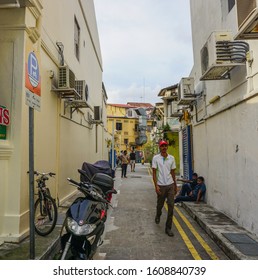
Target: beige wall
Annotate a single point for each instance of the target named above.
(12, 52)
(62, 141)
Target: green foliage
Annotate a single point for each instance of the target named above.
(166, 127)
(150, 149)
(166, 130)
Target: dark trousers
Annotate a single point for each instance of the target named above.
(167, 192)
(124, 169)
(186, 189)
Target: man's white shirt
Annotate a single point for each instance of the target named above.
(163, 168)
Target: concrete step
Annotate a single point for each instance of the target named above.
(235, 241)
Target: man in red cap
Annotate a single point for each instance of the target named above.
(164, 178)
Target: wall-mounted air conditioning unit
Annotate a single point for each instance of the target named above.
(82, 88)
(220, 54)
(247, 16)
(66, 78)
(97, 114)
(171, 94)
(175, 110)
(186, 91)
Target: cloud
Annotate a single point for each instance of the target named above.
(145, 44)
(134, 93)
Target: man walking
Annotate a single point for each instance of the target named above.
(132, 160)
(164, 178)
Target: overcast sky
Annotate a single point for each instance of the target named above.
(146, 45)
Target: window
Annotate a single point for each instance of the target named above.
(76, 39)
(126, 141)
(231, 4)
(119, 126)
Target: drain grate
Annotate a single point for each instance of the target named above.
(136, 176)
(243, 243)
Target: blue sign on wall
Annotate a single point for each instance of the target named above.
(33, 69)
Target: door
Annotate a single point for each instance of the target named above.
(187, 152)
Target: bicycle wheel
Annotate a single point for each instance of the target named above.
(45, 215)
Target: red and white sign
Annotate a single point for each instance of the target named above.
(4, 116)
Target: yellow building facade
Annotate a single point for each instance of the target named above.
(125, 127)
(38, 39)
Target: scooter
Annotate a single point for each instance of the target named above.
(85, 219)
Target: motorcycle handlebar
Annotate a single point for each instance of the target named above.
(73, 182)
(84, 190)
(82, 187)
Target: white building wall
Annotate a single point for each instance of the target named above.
(225, 143)
(63, 141)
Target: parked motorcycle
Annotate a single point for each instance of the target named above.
(85, 219)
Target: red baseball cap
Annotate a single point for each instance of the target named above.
(162, 142)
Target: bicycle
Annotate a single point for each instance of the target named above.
(45, 216)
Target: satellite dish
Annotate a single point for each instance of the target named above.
(86, 92)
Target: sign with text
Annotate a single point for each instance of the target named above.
(32, 82)
(4, 121)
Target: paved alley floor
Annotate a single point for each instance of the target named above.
(131, 233)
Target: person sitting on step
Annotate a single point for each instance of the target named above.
(188, 186)
(194, 195)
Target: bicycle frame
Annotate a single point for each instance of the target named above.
(46, 217)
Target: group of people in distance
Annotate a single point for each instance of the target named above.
(164, 178)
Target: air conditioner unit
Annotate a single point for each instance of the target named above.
(97, 114)
(175, 109)
(82, 88)
(186, 91)
(66, 78)
(170, 94)
(220, 54)
(247, 16)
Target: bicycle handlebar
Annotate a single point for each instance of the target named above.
(51, 174)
